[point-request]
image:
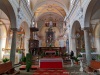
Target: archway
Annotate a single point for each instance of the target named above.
(77, 36)
(89, 12)
(25, 35)
(97, 38)
(7, 8)
(3, 35)
(92, 18)
(90, 22)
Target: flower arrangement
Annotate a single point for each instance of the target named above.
(79, 55)
(5, 60)
(50, 45)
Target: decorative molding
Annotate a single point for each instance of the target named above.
(25, 12)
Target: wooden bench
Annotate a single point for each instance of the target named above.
(6, 68)
(94, 65)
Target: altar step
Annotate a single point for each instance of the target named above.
(51, 72)
(35, 60)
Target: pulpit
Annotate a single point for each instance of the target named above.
(33, 46)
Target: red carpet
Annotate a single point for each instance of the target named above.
(50, 72)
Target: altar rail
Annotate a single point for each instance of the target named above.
(52, 48)
(94, 56)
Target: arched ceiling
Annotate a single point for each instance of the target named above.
(4, 18)
(41, 7)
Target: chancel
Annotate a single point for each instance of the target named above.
(49, 37)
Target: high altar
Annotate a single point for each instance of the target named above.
(50, 36)
(51, 63)
(50, 60)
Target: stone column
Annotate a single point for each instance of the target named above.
(13, 46)
(87, 46)
(26, 45)
(73, 42)
(69, 37)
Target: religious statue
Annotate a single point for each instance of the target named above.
(50, 37)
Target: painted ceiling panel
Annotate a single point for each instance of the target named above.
(45, 8)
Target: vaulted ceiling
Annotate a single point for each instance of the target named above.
(48, 8)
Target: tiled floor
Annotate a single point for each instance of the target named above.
(72, 70)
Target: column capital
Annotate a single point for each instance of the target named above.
(86, 28)
(14, 29)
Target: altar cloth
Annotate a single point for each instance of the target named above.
(51, 63)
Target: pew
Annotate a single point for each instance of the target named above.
(7, 68)
(93, 67)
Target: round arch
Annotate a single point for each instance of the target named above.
(92, 14)
(25, 27)
(7, 8)
(76, 35)
(89, 13)
(75, 25)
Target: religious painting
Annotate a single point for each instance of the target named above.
(47, 24)
(50, 37)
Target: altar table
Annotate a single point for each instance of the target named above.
(51, 63)
(50, 52)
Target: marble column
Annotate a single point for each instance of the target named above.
(13, 46)
(26, 44)
(74, 46)
(87, 46)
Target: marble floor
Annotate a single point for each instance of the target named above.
(73, 70)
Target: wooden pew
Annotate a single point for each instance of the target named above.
(94, 65)
(6, 68)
